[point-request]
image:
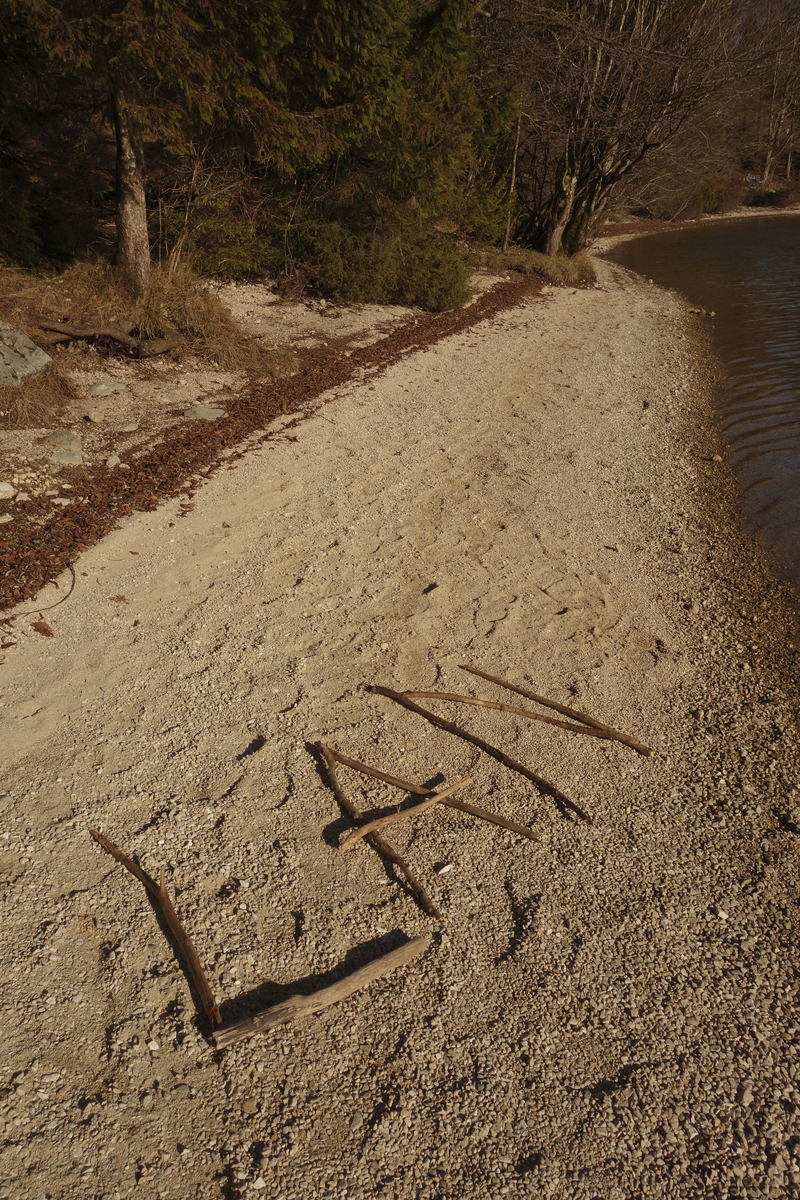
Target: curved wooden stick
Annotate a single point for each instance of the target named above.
(394, 818)
(159, 892)
(381, 845)
(487, 747)
(614, 734)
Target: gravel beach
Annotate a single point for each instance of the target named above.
(606, 1013)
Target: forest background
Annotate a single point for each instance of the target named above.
(370, 150)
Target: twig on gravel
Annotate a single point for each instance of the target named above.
(587, 730)
(604, 730)
(46, 607)
(159, 892)
(403, 784)
(330, 757)
(487, 747)
(406, 813)
(302, 1006)
(482, 814)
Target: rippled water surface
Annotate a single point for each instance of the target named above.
(748, 273)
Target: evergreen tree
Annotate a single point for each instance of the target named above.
(292, 81)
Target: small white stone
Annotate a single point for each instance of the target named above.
(6, 517)
(106, 389)
(443, 870)
(113, 460)
(7, 490)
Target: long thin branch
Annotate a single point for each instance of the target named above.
(302, 1006)
(568, 712)
(375, 839)
(353, 763)
(405, 814)
(586, 730)
(487, 747)
(482, 814)
(159, 892)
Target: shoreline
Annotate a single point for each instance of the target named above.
(620, 234)
(537, 496)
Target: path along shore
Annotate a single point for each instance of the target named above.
(610, 1012)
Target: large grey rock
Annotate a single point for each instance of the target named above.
(18, 355)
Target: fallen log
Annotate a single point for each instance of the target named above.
(137, 347)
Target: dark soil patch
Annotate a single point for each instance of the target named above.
(45, 539)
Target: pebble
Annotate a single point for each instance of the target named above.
(67, 458)
(201, 412)
(249, 1105)
(95, 416)
(717, 458)
(113, 460)
(7, 490)
(356, 1122)
(6, 517)
(106, 389)
(131, 427)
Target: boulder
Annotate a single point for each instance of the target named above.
(18, 355)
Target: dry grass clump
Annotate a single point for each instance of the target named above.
(179, 308)
(36, 400)
(558, 269)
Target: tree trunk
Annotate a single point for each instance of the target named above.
(133, 241)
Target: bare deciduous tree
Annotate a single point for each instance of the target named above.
(602, 83)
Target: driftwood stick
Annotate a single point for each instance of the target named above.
(482, 813)
(568, 712)
(394, 780)
(487, 747)
(381, 845)
(393, 818)
(159, 892)
(587, 730)
(494, 818)
(303, 1006)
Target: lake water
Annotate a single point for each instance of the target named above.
(748, 273)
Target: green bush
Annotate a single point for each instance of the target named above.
(398, 268)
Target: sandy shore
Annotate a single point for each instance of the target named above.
(609, 1012)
